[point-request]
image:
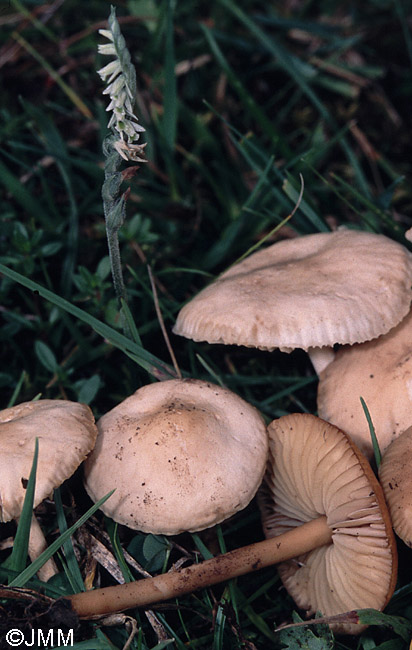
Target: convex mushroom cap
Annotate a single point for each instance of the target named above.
(310, 292)
(66, 433)
(380, 372)
(395, 474)
(183, 455)
(313, 470)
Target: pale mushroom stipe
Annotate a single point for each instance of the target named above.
(337, 496)
(309, 292)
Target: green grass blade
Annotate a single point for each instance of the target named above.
(148, 361)
(293, 68)
(130, 322)
(210, 370)
(74, 98)
(400, 10)
(112, 529)
(219, 628)
(36, 23)
(22, 195)
(222, 247)
(247, 100)
(170, 102)
(201, 547)
(375, 443)
(255, 618)
(289, 63)
(363, 200)
(18, 558)
(72, 565)
(17, 389)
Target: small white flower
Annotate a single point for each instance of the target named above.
(106, 48)
(106, 33)
(110, 70)
(130, 151)
(115, 87)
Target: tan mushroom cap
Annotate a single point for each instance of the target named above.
(183, 455)
(313, 291)
(380, 372)
(66, 433)
(395, 474)
(313, 470)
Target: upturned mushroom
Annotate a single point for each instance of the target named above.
(66, 432)
(182, 454)
(380, 372)
(311, 292)
(329, 507)
(396, 480)
(315, 469)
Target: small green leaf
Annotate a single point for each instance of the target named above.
(305, 639)
(87, 389)
(51, 249)
(46, 356)
(154, 551)
(103, 268)
(399, 625)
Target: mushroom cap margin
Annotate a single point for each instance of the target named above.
(301, 293)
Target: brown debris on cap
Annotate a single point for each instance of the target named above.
(183, 455)
(396, 480)
(313, 291)
(313, 470)
(380, 372)
(66, 433)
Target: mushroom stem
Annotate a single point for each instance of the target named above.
(321, 357)
(38, 544)
(256, 556)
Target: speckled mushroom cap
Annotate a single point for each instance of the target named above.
(66, 433)
(314, 469)
(395, 474)
(183, 455)
(313, 291)
(380, 372)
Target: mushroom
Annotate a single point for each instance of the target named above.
(380, 372)
(315, 469)
(396, 481)
(310, 292)
(333, 518)
(182, 454)
(66, 433)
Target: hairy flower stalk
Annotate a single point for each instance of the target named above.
(122, 144)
